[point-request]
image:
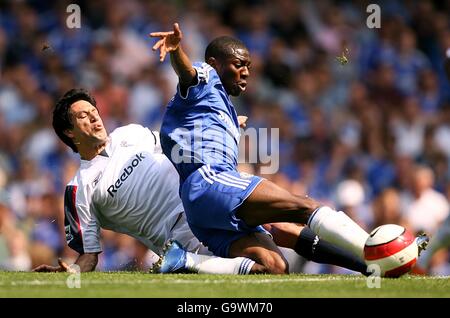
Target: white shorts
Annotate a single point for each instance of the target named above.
(183, 234)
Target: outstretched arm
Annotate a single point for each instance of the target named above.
(170, 43)
(87, 263)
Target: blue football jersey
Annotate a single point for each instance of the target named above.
(201, 127)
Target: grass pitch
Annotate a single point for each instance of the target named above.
(133, 284)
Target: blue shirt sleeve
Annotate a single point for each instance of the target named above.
(206, 78)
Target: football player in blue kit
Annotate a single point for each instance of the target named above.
(200, 134)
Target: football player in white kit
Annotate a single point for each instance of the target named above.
(126, 184)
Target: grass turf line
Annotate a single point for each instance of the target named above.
(136, 284)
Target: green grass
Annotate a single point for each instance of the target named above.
(132, 284)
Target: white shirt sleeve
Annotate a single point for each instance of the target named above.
(135, 133)
(81, 228)
(158, 148)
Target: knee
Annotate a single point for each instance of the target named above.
(305, 205)
(275, 264)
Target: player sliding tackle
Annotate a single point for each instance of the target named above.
(225, 209)
(127, 185)
(124, 184)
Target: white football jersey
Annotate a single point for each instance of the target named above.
(132, 190)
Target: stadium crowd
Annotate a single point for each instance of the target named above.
(371, 136)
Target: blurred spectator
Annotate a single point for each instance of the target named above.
(429, 95)
(146, 99)
(351, 198)
(387, 208)
(14, 254)
(409, 129)
(424, 208)
(408, 62)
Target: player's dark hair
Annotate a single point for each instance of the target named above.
(222, 46)
(61, 116)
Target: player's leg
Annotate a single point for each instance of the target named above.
(209, 264)
(175, 259)
(308, 245)
(193, 256)
(262, 249)
(222, 208)
(269, 203)
(255, 253)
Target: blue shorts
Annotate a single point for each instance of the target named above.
(210, 200)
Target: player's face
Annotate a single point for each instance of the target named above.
(88, 127)
(234, 71)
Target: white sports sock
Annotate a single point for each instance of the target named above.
(205, 264)
(337, 228)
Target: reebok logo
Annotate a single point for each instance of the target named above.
(125, 174)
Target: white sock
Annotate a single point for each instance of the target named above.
(337, 228)
(204, 264)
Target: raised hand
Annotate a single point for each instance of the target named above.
(169, 42)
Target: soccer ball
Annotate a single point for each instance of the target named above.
(392, 248)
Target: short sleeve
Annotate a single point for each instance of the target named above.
(80, 224)
(206, 76)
